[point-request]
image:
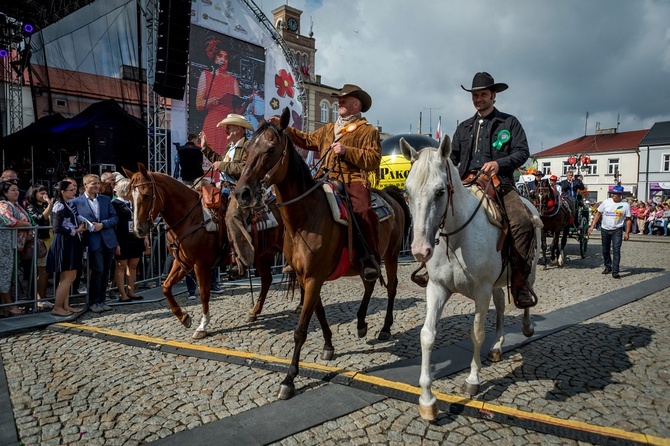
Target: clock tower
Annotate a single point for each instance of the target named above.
(320, 106)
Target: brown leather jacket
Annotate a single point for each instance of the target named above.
(235, 166)
(363, 154)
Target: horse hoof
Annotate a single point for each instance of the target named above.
(471, 389)
(561, 262)
(199, 334)
(252, 318)
(186, 322)
(528, 331)
(286, 392)
(495, 355)
(327, 354)
(384, 335)
(428, 413)
(362, 332)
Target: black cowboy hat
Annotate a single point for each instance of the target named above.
(358, 93)
(484, 81)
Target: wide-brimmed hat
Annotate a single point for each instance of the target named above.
(235, 119)
(484, 81)
(358, 93)
(537, 172)
(617, 190)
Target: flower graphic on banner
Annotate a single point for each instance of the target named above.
(284, 83)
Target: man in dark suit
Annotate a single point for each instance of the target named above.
(101, 242)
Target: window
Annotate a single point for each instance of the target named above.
(665, 164)
(61, 103)
(335, 114)
(324, 111)
(612, 166)
(566, 167)
(546, 167)
(591, 169)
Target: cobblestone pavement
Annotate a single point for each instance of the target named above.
(611, 371)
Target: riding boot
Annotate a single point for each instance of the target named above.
(522, 292)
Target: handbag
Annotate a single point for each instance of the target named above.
(28, 249)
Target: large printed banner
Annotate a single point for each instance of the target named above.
(235, 67)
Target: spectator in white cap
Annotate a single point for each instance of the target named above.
(615, 214)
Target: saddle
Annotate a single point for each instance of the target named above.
(339, 210)
(483, 187)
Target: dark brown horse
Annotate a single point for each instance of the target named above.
(557, 215)
(314, 241)
(193, 247)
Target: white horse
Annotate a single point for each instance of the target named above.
(464, 261)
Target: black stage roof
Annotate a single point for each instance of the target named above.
(40, 13)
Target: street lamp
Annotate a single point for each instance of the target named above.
(580, 161)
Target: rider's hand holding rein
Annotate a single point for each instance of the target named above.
(490, 168)
(339, 148)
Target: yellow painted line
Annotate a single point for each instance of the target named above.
(398, 386)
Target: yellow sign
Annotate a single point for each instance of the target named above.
(394, 170)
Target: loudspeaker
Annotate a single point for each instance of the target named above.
(103, 146)
(174, 26)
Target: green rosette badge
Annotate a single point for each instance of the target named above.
(503, 137)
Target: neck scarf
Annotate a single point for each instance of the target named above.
(343, 122)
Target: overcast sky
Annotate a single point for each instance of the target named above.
(559, 58)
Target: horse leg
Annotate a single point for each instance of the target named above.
(436, 298)
(526, 325)
(554, 247)
(495, 354)
(175, 275)
(391, 291)
(312, 296)
(544, 248)
(264, 269)
(477, 335)
(564, 240)
(204, 276)
(361, 325)
(328, 349)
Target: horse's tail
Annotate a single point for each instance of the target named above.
(395, 193)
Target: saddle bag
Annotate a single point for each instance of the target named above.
(211, 196)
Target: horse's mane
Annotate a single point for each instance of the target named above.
(425, 167)
(298, 169)
(169, 179)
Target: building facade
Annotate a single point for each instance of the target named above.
(604, 159)
(654, 179)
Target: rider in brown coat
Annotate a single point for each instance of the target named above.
(350, 149)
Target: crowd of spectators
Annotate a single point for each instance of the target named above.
(93, 217)
(648, 217)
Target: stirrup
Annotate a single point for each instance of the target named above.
(525, 303)
(420, 279)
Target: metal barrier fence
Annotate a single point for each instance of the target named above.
(151, 270)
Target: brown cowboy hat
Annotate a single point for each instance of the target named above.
(358, 93)
(235, 119)
(484, 81)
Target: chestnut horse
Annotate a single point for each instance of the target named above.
(314, 241)
(193, 247)
(556, 214)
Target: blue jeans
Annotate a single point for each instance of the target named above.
(99, 263)
(191, 283)
(612, 239)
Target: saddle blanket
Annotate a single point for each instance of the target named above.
(266, 222)
(492, 211)
(339, 210)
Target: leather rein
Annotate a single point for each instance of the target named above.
(153, 214)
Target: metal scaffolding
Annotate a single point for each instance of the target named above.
(157, 112)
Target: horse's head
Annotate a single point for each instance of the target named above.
(544, 198)
(428, 187)
(267, 161)
(146, 203)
